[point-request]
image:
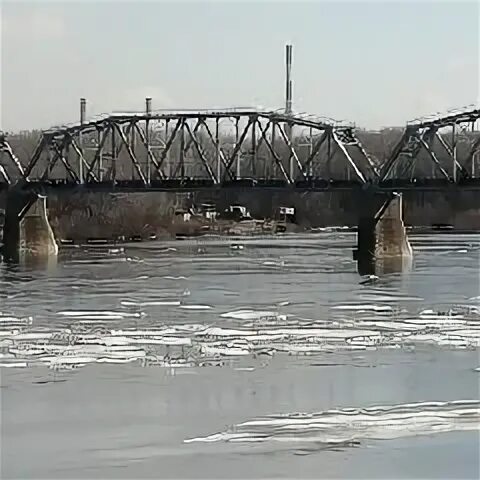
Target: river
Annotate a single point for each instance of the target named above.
(242, 358)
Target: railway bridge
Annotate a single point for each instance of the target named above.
(242, 148)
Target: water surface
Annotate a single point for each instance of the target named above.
(196, 359)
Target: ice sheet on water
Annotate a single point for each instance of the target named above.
(195, 307)
(248, 314)
(132, 334)
(151, 303)
(364, 308)
(342, 425)
(100, 314)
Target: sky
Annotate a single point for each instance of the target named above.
(377, 64)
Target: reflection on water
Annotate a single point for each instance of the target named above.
(28, 262)
(174, 341)
(367, 264)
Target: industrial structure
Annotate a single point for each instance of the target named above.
(244, 148)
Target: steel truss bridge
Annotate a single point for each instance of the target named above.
(245, 148)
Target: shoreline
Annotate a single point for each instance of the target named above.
(99, 242)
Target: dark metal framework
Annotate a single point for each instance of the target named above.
(9, 159)
(448, 144)
(164, 150)
(214, 146)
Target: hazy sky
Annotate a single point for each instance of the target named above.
(375, 63)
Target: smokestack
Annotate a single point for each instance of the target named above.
(148, 105)
(83, 110)
(288, 79)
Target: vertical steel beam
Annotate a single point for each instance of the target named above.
(310, 150)
(237, 159)
(454, 152)
(217, 149)
(274, 132)
(253, 160)
(113, 176)
(132, 149)
(239, 143)
(168, 167)
(148, 112)
(182, 149)
(100, 144)
(83, 109)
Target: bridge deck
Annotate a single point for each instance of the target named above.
(315, 185)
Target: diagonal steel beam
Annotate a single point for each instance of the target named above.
(356, 143)
(185, 147)
(449, 151)
(98, 153)
(82, 158)
(238, 146)
(434, 158)
(7, 148)
(278, 160)
(130, 152)
(316, 148)
(200, 152)
(150, 154)
(473, 151)
(348, 157)
(59, 156)
(288, 143)
(5, 175)
(169, 143)
(42, 142)
(388, 165)
(221, 153)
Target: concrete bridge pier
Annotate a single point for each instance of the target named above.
(27, 233)
(383, 245)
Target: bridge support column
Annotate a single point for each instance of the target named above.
(383, 245)
(26, 231)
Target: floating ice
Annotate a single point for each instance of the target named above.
(354, 424)
(252, 314)
(195, 307)
(127, 303)
(99, 314)
(375, 308)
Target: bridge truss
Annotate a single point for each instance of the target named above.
(213, 147)
(441, 147)
(9, 159)
(243, 147)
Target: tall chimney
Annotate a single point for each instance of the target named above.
(288, 79)
(148, 105)
(83, 109)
